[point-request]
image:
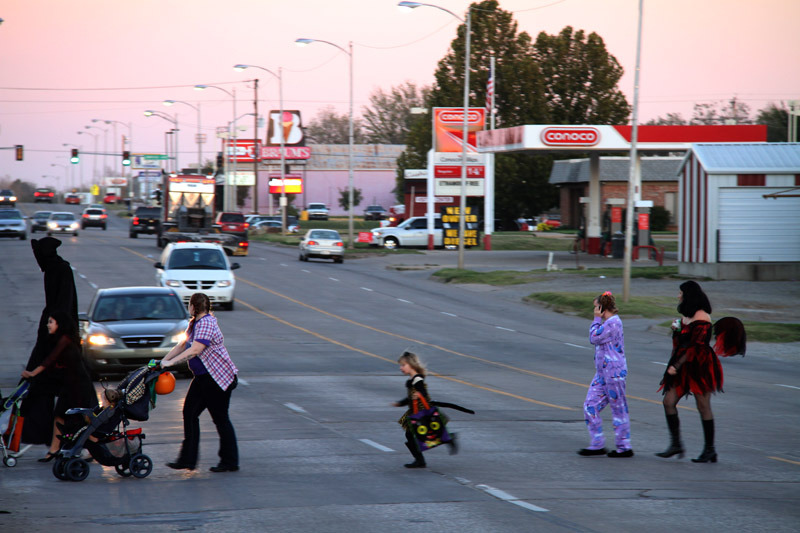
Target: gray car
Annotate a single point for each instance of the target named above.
(62, 222)
(39, 221)
(322, 243)
(125, 327)
(12, 224)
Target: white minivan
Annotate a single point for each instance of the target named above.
(190, 267)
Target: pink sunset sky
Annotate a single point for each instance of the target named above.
(66, 63)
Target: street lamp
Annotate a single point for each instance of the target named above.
(407, 6)
(174, 121)
(105, 146)
(304, 42)
(114, 125)
(240, 67)
(199, 138)
(230, 188)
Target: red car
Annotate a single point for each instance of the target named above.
(111, 199)
(233, 223)
(72, 199)
(44, 194)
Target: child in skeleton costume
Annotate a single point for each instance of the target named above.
(608, 385)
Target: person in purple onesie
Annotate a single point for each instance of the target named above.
(608, 385)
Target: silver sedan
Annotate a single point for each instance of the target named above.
(322, 243)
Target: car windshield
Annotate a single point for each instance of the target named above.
(316, 206)
(324, 234)
(138, 307)
(231, 217)
(10, 214)
(197, 259)
(42, 214)
(94, 211)
(63, 216)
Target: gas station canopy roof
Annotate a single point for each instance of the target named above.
(605, 138)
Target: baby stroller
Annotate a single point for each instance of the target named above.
(106, 435)
(9, 417)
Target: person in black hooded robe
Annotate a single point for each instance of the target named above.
(60, 295)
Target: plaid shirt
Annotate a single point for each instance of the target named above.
(214, 356)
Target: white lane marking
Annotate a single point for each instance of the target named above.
(81, 276)
(366, 289)
(576, 345)
(787, 386)
(448, 314)
(502, 495)
(333, 279)
(374, 444)
(306, 271)
(406, 301)
(282, 264)
(244, 382)
(658, 363)
(506, 329)
(295, 408)
(92, 285)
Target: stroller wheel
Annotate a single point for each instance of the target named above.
(10, 461)
(141, 465)
(58, 469)
(122, 470)
(76, 469)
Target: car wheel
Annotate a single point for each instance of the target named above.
(300, 257)
(228, 306)
(339, 260)
(131, 234)
(390, 243)
(23, 237)
(49, 234)
(104, 227)
(83, 226)
(75, 234)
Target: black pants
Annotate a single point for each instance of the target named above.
(204, 393)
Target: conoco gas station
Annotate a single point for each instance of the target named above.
(609, 140)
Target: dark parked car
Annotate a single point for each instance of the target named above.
(374, 212)
(233, 223)
(39, 220)
(44, 194)
(94, 217)
(145, 220)
(125, 327)
(7, 197)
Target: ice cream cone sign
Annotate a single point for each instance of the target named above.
(287, 120)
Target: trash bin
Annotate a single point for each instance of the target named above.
(618, 245)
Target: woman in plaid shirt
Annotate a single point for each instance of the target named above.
(214, 380)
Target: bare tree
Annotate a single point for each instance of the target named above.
(388, 118)
(329, 127)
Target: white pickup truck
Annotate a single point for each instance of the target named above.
(317, 211)
(412, 232)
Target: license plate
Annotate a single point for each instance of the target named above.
(151, 227)
(325, 252)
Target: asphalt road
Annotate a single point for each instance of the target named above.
(316, 345)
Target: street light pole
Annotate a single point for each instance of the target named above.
(230, 188)
(240, 67)
(350, 195)
(465, 127)
(199, 141)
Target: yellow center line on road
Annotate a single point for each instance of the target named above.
(376, 356)
(784, 460)
(441, 348)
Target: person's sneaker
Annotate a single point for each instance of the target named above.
(223, 468)
(624, 453)
(415, 464)
(588, 452)
(180, 466)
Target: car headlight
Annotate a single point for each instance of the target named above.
(52, 225)
(172, 283)
(101, 340)
(74, 225)
(224, 283)
(376, 233)
(179, 338)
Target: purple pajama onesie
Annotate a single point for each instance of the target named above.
(608, 385)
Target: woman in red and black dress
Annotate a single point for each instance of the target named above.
(694, 367)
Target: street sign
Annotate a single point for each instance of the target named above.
(147, 161)
(450, 186)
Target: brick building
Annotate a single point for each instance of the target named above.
(659, 183)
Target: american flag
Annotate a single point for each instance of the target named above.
(489, 94)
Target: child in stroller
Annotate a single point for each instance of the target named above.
(106, 435)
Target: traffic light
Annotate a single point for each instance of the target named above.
(18, 149)
(126, 158)
(158, 196)
(220, 162)
(75, 157)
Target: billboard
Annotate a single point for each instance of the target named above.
(293, 183)
(288, 125)
(242, 150)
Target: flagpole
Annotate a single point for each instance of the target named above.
(488, 180)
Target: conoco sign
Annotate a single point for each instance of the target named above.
(570, 136)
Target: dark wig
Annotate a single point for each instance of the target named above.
(694, 299)
(66, 326)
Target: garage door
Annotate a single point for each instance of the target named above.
(753, 228)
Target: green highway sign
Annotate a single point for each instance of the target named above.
(154, 157)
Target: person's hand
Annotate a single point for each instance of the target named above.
(165, 363)
(395, 404)
(415, 395)
(26, 374)
(597, 311)
(671, 370)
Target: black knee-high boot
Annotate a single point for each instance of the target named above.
(709, 454)
(419, 460)
(675, 445)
